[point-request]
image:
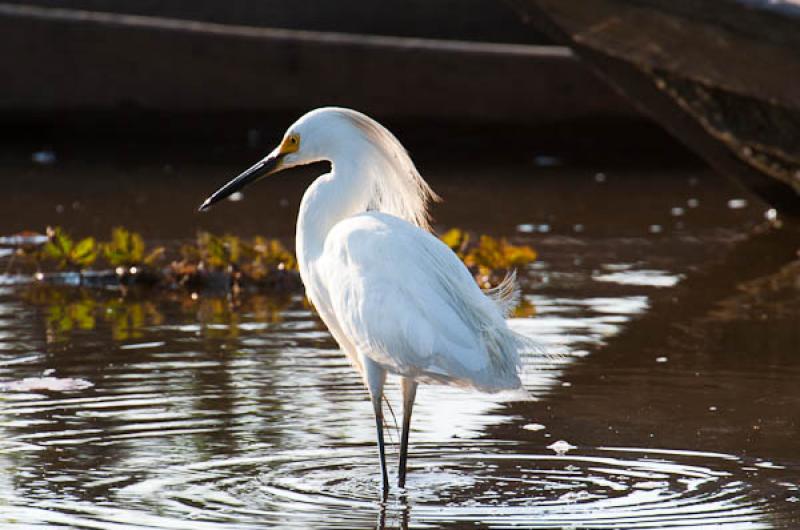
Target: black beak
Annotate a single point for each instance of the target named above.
(262, 168)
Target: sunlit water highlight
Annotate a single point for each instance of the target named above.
(166, 412)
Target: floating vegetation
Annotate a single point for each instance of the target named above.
(234, 263)
(488, 259)
(69, 254)
(220, 263)
(126, 249)
(223, 282)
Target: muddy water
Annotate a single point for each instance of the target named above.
(674, 401)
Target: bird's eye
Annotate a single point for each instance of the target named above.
(290, 144)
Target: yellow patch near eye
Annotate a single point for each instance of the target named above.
(290, 144)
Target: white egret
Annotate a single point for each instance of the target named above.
(395, 298)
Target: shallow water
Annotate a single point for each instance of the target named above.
(673, 404)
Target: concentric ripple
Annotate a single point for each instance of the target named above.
(600, 488)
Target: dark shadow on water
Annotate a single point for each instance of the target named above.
(737, 313)
(711, 365)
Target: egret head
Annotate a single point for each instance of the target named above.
(331, 133)
(315, 136)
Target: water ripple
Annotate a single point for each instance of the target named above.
(482, 482)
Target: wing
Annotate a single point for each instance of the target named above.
(406, 301)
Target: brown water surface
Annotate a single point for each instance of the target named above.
(674, 402)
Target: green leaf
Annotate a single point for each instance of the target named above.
(58, 246)
(519, 256)
(119, 238)
(113, 256)
(136, 247)
(61, 240)
(126, 248)
(154, 255)
(84, 253)
(216, 252)
(453, 238)
(85, 246)
(51, 250)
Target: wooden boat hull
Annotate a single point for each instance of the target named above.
(71, 59)
(721, 75)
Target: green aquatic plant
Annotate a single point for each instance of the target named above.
(66, 252)
(211, 262)
(265, 256)
(487, 256)
(127, 249)
(489, 259)
(457, 239)
(227, 262)
(243, 268)
(218, 252)
(491, 254)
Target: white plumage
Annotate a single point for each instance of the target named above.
(394, 297)
(405, 301)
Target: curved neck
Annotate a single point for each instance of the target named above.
(332, 197)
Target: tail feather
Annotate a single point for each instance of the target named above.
(508, 347)
(506, 294)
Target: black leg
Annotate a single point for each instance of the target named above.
(381, 448)
(381, 525)
(375, 377)
(409, 393)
